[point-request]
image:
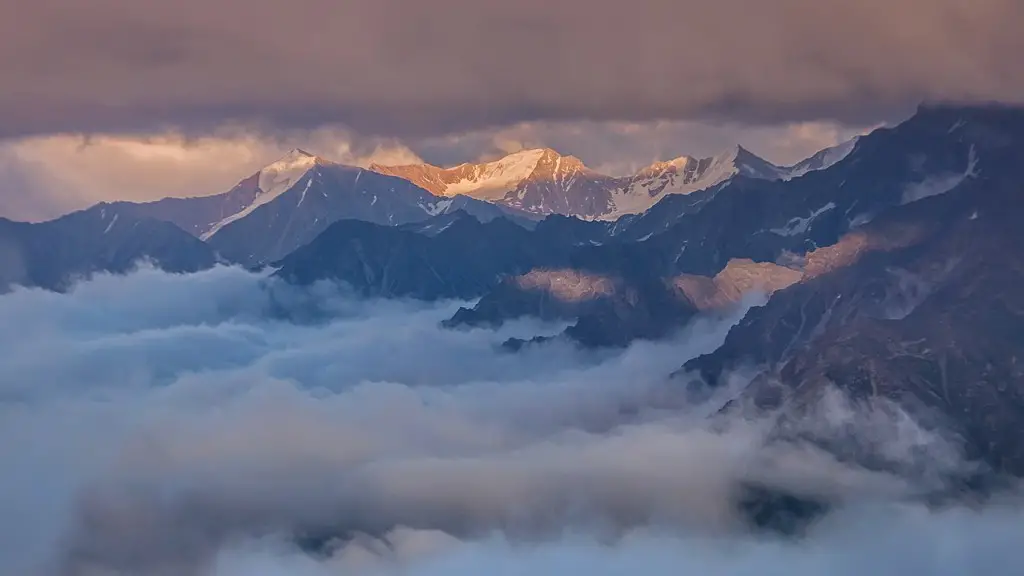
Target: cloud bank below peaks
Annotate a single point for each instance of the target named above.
(157, 424)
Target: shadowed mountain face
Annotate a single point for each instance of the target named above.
(610, 310)
(322, 196)
(759, 219)
(195, 215)
(781, 222)
(521, 273)
(448, 256)
(54, 254)
(922, 307)
(615, 310)
(459, 258)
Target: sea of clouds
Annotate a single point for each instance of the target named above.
(222, 424)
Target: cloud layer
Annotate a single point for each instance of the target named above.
(403, 68)
(160, 424)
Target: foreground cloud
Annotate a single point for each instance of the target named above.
(158, 424)
(403, 68)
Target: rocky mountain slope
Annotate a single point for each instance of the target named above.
(54, 254)
(921, 307)
(449, 256)
(521, 273)
(781, 222)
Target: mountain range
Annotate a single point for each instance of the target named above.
(542, 182)
(781, 222)
(890, 265)
(892, 274)
(288, 203)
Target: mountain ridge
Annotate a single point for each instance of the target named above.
(542, 181)
(55, 254)
(783, 221)
(288, 202)
(292, 200)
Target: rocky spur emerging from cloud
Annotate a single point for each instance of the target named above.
(159, 424)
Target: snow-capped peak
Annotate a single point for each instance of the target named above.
(823, 159)
(724, 165)
(492, 180)
(739, 160)
(675, 163)
(281, 175)
(272, 181)
(684, 175)
(542, 181)
(297, 153)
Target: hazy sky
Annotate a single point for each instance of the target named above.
(617, 83)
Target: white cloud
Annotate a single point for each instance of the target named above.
(877, 539)
(160, 421)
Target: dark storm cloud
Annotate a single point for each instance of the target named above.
(402, 67)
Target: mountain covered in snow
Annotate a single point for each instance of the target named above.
(712, 245)
(541, 182)
(291, 201)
